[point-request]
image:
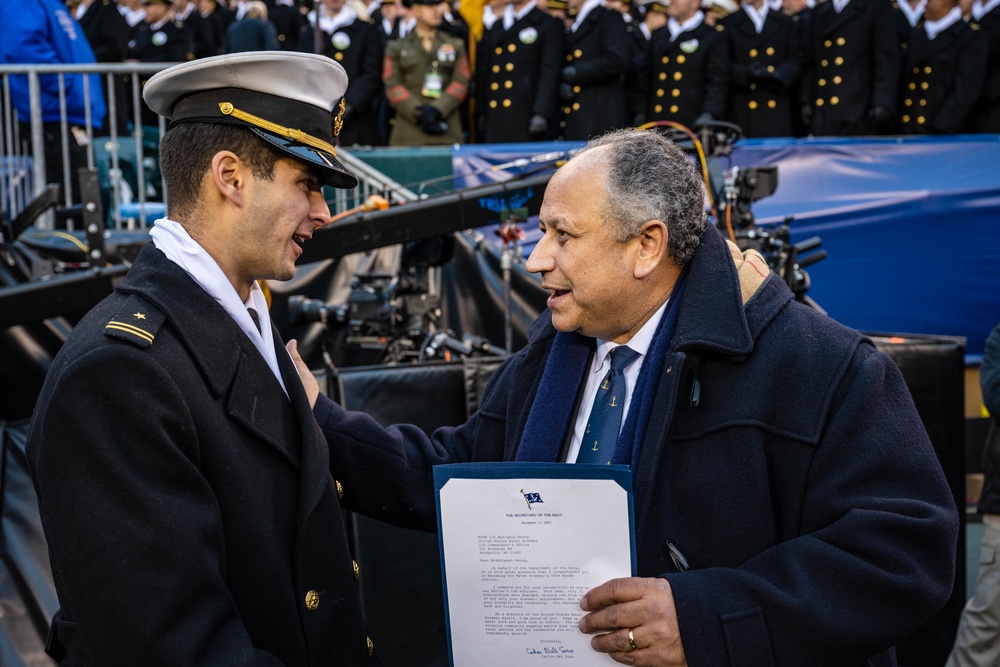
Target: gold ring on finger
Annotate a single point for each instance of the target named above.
(631, 640)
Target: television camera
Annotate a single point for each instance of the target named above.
(392, 318)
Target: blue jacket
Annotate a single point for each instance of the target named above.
(43, 32)
(798, 480)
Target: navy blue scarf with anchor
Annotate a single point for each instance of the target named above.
(552, 411)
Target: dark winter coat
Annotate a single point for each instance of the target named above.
(784, 458)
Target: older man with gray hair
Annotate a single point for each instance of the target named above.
(789, 507)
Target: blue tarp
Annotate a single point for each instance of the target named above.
(909, 223)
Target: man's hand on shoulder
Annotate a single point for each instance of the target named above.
(642, 606)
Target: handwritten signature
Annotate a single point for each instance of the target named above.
(547, 650)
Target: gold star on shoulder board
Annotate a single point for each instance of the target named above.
(139, 316)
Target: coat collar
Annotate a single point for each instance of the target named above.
(227, 359)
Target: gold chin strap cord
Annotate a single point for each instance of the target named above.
(227, 109)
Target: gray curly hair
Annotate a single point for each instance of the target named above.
(649, 178)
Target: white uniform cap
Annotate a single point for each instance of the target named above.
(286, 98)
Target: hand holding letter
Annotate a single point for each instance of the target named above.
(646, 607)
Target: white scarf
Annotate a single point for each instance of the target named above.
(676, 29)
(588, 7)
(175, 242)
(935, 28)
(758, 16)
(330, 24)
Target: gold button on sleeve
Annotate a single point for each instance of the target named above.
(312, 600)
(340, 489)
(357, 570)
(371, 645)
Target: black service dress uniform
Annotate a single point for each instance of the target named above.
(210, 508)
(593, 98)
(288, 22)
(686, 77)
(358, 47)
(762, 102)
(165, 42)
(942, 79)
(517, 77)
(985, 116)
(107, 32)
(854, 62)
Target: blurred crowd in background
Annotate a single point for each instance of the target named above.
(426, 72)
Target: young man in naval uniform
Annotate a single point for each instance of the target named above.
(186, 492)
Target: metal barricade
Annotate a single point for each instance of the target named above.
(126, 161)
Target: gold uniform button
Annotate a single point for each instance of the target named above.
(827, 43)
(338, 56)
(569, 57)
(494, 86)
(665, 60)
(752, 104)
(357, 570)
(340, 489)
(509, 67)
(496, 69)
(906, 119)
(838, 61)
(658, 108)
(680, 60)
(923, 103)
(498, 50)
(565, 110)
(912, 86)
(663, 76)
(674, 108)
(819, 102)
(769, 51)
(927, 70)
(753, 53)
(771, 104)
(577, 53)
(824, 62)
(659, 92)
(678, 76)
(512, 47)
(908, 102)
(506, 103)
(753, 86)
(510, 84)
(577, 89)
(841, 41)
(925, 86)
(921, 120)
(676, 92)
(493, 104)
(312, 600)
(770, 68)
(576, 105)
(916, 70)
(837, 80)
(371, 645)
(821, 83)
(834, 101)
